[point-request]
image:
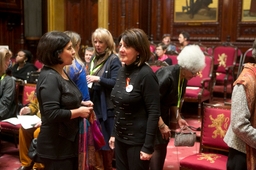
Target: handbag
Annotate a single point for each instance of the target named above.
(185, 137)
(32, 153)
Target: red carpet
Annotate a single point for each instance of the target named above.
(174, 154)
(9, 159)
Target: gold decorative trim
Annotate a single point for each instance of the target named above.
(103, 13)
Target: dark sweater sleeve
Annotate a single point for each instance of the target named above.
(50, 94)
(151, 99)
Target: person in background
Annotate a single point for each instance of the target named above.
(87, 58)
(7, 87)
(60, 104)
(27, 135)
(137, 105)
(241, 134)
(172, 85)
(77, 73)
(160, 52)
(23, 65)
(183, 39)
(167, 41)
(76, 70)
(104, 68)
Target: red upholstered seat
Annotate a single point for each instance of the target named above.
(155, 68)
(10, 129)
(38, 64)
(213, 150)
(225, 57)
(157, 65)
(174, 58)
(199, 88)
(28, 93)
(201, 161)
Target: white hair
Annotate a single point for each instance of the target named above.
(192, 58)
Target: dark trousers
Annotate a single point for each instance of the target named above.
(236, 160)
(66, 164)
(128, 157)
(158, 158)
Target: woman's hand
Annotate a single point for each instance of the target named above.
(165, 131)
(145, 156)
(38, 124)
(87, 103)
(111, 142)
(25, 110)
(85, 111)
(92, 79)
(182, 123)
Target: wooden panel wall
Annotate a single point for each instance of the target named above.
(155, 17)
(82, 17)
(11, 24)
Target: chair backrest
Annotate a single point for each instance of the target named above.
(224, 56)
(152, 48)
(215, 123)
(157, 65)
(247, 57)
(174, 58)
(28, 93)
(205, 73)
(32, 77)
(38, 64)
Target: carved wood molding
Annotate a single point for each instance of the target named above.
(246, 30)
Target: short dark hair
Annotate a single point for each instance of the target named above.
(28, 55)
(164, 47)
(185, 35)
(166, 35)
(50, 45)
(137, 39)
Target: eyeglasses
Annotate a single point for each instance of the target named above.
(194, 74)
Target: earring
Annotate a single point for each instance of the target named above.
(138, 56)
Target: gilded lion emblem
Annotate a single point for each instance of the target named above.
(222, 60)
(217, 124)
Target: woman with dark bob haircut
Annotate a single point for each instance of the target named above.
(60, 103)
(137, 104)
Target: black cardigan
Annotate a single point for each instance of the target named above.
(137, 111)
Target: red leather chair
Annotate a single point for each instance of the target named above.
(199, 89)
(225, 57)
(213, 150)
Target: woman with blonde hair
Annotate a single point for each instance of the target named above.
(104, 68)
(7, 87)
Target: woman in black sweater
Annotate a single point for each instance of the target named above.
(60, 103)
(137, 105)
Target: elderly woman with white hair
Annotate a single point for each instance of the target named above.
(173, 81)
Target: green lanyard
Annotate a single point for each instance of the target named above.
(3, 76)
(92, 71)
(179, 91)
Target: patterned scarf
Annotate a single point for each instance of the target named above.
(248, 79)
